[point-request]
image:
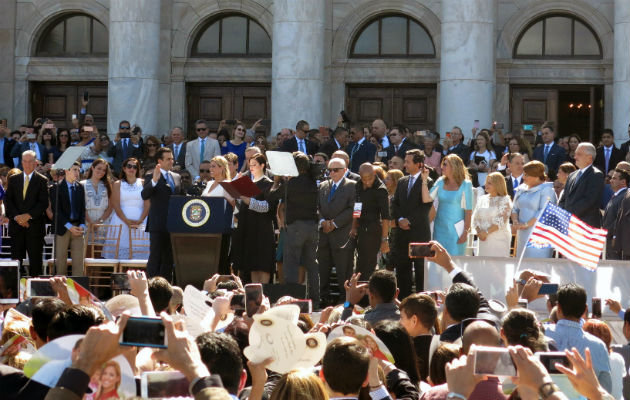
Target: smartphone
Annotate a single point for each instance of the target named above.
(548, 288)
(10, 283)
(120, 281)
(31, 136)
(420, 250)
(266, 122)
(522, 303)
(551, 358)
(49, 126)
(494, 361)
(225, 278)
(136, 130)
(476, 124)
(448, 134)
(253, 298)
(144, 332)
(480, 159)
(237, 302)
(74, 116)
(88, 128)
(596, 307)
(86, 96)
(382, 154)
(163, 384)
(306, 306)
(39, 287)
(230, 122)
(528, 127)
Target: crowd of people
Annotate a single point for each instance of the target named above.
(362, 195)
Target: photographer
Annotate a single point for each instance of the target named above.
(127, 146)
(28, 141)
(299, 195)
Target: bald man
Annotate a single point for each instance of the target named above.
(379, 129)
(371, 227)
(336, 204)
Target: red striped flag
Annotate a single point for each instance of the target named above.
(570, 236)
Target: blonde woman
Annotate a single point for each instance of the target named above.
(453, 194)
(491, 218)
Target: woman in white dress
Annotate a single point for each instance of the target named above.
(130, 210)
(98, 190)
(491, 218)
(219, 172)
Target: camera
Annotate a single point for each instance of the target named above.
(316, 171)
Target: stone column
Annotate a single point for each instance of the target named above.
(134, 55)
(467, 71)
(297, 77)
(621, 71)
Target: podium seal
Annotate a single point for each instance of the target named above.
(195, 213)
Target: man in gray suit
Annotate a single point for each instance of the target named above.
(204, 148)
(619, 185)
(336, 204)
(179, 148)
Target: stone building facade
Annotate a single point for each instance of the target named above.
(431, 64)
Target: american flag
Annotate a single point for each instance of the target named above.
(572, 238)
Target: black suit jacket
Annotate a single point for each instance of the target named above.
(290, 145)
(510, 185)
(611, 212)
(116, 151)
(402, 150)
(364, 153)
(181, 157)
(329, 147)
(61, 215)
(462, 151)
(616, 155)
(412, 208)
(557, 155)
(18, 148)
(625, 147)
(34, 204)
(159, 196)
(8, 146)
(622, 226)
(583, 197)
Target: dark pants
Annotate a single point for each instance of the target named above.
(224, 256)
(403, 265)
(300, 248)
(368, 245)
(160, 261)
(28, 240)
(327, 256)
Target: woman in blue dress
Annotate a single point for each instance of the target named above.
(237, 144)
(530, 199)
(453, 193)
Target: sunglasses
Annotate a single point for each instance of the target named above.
(131, 166)
(204, 171)
(124, 127)
(335, 169)
(63, 135)
(240, 129)
(201, 129)
(151, 145)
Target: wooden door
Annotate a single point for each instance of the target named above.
(534, 106)
(213, 103)
(412, 106)
(58, 101)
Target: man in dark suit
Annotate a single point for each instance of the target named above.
(158, 187)
(338, 141)
(6, 145)
(28, 141)
(550, 153)
(69, 221)
(608, 155)
(336, 204)
(410, 209)
(179, 149)
(398, 144)
(619, 185)
(344, 156)
(127, 146)
(299, 142)
(25, 201)
(515, 164)
(584, 188)
(455, 144)
(625, 147)
(621, 240)
(360, 149)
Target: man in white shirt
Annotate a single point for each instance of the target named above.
(379, 129)
(515, 165)
(608, 155)
(179, 148)
(204, 148)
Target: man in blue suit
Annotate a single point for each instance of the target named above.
(28, 141)
(360, 149)
(550, 153)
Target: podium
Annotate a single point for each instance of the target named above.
(196, 225)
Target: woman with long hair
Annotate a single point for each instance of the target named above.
(109, 382)
(453, 194)
(399, 343)
(220, 172)
(530, 199)
(47, 138)
(432, 158)
(62, 143)
(518, 145)
(481, 158)
(574, 141)
(237, 144)
(98, 189)
(299, 384)
(130, 209)
(253, 240)
(491, 218)
(564, 170)
(149, 158)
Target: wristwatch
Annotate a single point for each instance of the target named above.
(347, 304)
(547, 389)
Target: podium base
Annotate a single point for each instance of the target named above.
(196, 257)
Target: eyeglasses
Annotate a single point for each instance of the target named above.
(204, 171)
(335, 169)
(124, 127)
(151, 145)
(240, 129)
(63, 135)
(201, 129)
(131, 166)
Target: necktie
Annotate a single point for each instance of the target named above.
(411, 182)
(26, 182)
(515, 184)
(170, 181)
(124, 146)
(302, 146)
(547, 147)
(332, 192)
(396, 149)
(607, 159)
(203, 150)
(354, 150)
(578, 176)
(72, 213)
(176, 147)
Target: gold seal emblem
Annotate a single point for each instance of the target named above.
(195, 213)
